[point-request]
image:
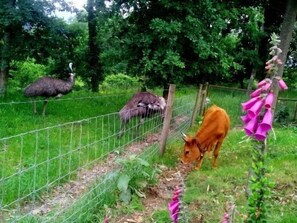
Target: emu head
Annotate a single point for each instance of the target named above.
(162, 103)
(71, 74)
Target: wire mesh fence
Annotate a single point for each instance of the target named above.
(42, 168)
(62, 172)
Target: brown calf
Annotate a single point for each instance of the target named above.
(213, 130)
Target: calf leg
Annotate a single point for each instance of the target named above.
(199, 163)
(216, 153)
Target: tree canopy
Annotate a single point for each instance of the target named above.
(160, 42)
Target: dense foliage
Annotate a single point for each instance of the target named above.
(222, 42)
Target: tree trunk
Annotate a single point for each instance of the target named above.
(95, 67)
(287, 28)
(251, 81)
(5, 54)
(4, 63)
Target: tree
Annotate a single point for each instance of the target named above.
(24, 25)
(190, 42)
(95, 9)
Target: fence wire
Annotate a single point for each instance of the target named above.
(57, 173)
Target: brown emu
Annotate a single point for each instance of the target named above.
(49, 87)
(143, 105)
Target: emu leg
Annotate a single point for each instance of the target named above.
(141, 121)
(34, 108)
(44, 106)
(122, 129)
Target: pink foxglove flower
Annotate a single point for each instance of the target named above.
(266, 87)
(245, 119)
(256, 93)
(250, 103)
(266, 123)
(269, 100)
(260, 134)
(226, 218)
(262, 83)
(251, 126)
(255, 109)
(174, 205)
(282, 84)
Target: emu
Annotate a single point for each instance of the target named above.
(143, 105)
(49, 87)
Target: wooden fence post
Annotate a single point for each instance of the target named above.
(198, 97)
(167, 119)
(203, 101)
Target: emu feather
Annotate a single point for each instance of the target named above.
(49, 87)
(143, 105)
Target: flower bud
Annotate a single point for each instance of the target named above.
(282, 84)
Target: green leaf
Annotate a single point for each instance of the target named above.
(126, 196)
(123, 182)
(143, 162)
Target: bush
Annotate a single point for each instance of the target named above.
(119, 82)
(24, 73)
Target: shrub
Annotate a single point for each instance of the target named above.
(24, 73)
(119, 82)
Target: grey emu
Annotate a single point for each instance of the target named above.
(143, 105)
(49, 87)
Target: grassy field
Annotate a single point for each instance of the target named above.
(69, 136)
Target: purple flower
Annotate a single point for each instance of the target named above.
(174, 205)
(262, 83)
(251, 126)
(266, 123)
(245, 119)
(260, 134)
(250, 103)
(282, 84)
(256, 93)
(255, 109)
(269, 100)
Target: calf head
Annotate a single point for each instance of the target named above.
(191, 150)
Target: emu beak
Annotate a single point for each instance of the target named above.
(70, 67)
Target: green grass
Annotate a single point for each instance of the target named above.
(209, 189)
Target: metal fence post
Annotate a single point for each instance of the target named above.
(167, 119)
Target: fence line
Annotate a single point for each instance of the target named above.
(36, 163)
